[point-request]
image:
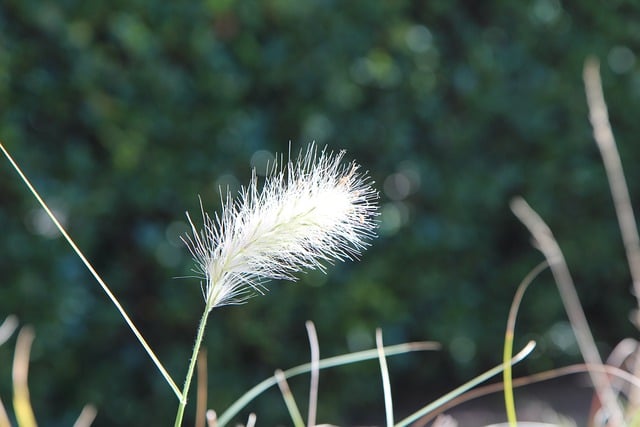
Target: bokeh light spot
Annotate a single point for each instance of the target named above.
(462, 349)
(38, 222)
(418, 38)
(261, 160)
(621, 59)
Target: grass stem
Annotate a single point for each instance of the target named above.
(192, 364)
(201, 391)
(95, 274)
(315, 373)
(509, 400)
(386, 383)
(21, 401)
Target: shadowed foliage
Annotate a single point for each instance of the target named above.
(123, 113)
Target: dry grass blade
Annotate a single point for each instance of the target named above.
(315, 373)
(6, 330)
(4, 417)
(549, 247)
(86, 417)
(624, 356)
(622, 351)
(386, 384)
(289, 400)
(603, 134)
(8, 327)
(251, 421)
(21, 401)
(201, 392)
(212, 418)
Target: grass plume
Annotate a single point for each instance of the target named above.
(309, 212)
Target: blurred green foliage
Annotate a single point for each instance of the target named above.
(124, 112)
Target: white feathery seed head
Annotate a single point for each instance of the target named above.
(309, 212)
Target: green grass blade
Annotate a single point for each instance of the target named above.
(329, 362)
(509, 400)
(466, 386)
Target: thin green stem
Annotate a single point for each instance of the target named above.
(95, 274)
(509, 400)
(192, 363)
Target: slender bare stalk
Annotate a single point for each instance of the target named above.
(21, 400)
(8, 327)
(86, 417)
(314, 374)
(603, 135)
(386, 383)
(289, 400)
(549, 247)
(95, 274)
(201, 395)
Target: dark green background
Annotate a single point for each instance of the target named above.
(123, 112)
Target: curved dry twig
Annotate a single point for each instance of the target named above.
(549, 247)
